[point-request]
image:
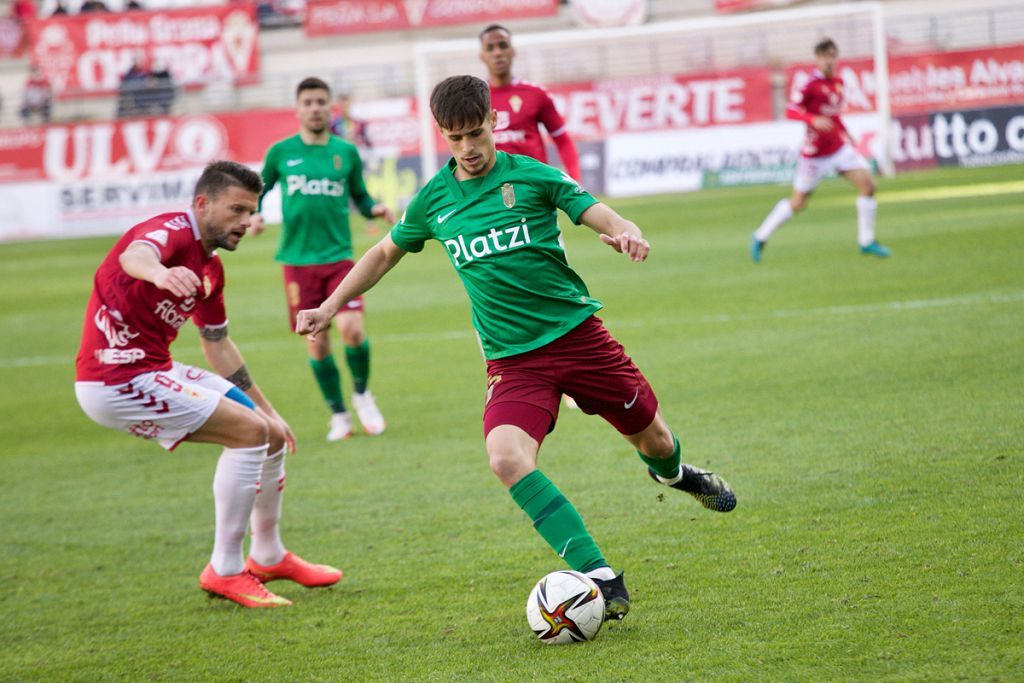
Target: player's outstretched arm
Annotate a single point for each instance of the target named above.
(367, 272)
(142, 263)
(227, 361)
(620, 234)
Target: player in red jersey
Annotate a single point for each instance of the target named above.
(521, 106)
(159, 274)
(826, 149)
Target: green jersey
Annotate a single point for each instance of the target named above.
(501, 234)
(317, 182)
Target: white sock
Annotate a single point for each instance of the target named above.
(866, 207)
(603, 573)
(779, 215)
(234, 488)
(266, 547)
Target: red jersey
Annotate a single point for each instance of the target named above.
(521, 106)
(820, 97)
(130, 323)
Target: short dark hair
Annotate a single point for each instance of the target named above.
(493, 27)
(312, 83)
(460, 101)
(825, 44)
(220, 175)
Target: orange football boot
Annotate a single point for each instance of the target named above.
(244, 588)
(294, 568)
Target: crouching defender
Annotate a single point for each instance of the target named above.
(494, 213)
(159, 274)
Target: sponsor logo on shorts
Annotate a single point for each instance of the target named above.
(491, 381)
(494, 242)
(147, 429)
(629, 404)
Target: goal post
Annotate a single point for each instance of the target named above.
(774, 44)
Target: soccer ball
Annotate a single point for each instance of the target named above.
(565, 607)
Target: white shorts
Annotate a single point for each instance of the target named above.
(165, 406)
(810, 170)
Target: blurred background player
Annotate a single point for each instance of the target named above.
(535, 319)
(353, 130)
(827, 148)
(159, 274)
(522, 106)
(319, 173)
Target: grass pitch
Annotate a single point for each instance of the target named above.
(868, 413)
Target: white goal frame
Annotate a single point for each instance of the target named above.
(427, 52)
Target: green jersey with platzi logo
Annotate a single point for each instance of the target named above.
(317, 182)
(501, 234)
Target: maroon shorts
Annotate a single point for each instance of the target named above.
(587, 364)
(308, 286)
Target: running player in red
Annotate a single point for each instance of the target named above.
(159, 274)
(522, 106)
(826, 149)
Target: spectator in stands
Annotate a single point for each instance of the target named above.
(38, 97)
(60, 10)
(134, 4)
(159, 96)
(93, 6)
(24, 10)
(131, 95)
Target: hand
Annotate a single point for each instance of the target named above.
(633, 246)
(179, 281)
(289, 436)
(822, 123)
(312, 321)
(256, 225)
(379, 210)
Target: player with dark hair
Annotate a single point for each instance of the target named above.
(159, 274)
(494, 214)
(826, 149)
(319, 174)
(522, 107)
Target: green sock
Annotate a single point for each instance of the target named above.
(557, 521)
(665, 467)
(358, 359)
(329, 380)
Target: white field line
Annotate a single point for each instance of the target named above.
(449, 335)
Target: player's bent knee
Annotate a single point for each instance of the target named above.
(253, 430)
(275, 435)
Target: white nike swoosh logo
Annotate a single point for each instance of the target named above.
(629, 404)
(442, 219)
(562, 554)
(293, 162)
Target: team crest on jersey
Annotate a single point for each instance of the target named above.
(516, 102)
(508, 195)
(337, 162)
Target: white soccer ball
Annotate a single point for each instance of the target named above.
(565, 607)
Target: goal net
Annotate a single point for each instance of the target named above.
(686, 104)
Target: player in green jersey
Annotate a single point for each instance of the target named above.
(319, 175)
(495, 215)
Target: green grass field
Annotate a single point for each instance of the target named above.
(869, 414)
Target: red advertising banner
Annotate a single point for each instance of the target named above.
(933, 81)
(333, 17)
(603, 108)
(88, 53)
(726, 6)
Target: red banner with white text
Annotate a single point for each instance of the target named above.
(334, 17)
(727, 6)
(88, 54)
(931, 81)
